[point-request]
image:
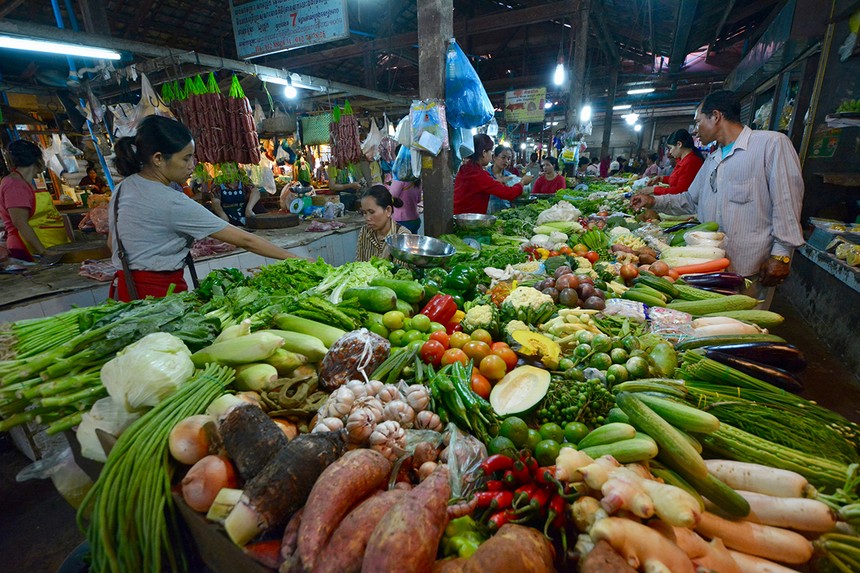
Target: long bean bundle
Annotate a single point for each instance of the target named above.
(132, 520)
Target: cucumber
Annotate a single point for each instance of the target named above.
(691, 439)
(639, 296)
(692, 343)
(375, 299)
(617, 415)
(641, 436)
(678, 238)
(687, 292)
(644, 289)
(661, 385)
(328, 334)
(405, 308)
(714, 305)
(672, 478)
(717, 492)
(625, 451)
(681, 416)
(607, 434)
(672, 445)
(410, 291)
(657, 283)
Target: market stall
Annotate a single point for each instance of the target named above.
(587, 388)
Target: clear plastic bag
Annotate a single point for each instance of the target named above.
(429, 126)
(670, 324)
(402, 167)
(69, 479)
(465, 97)
(465, 453)
(626, 308)
(355, 355)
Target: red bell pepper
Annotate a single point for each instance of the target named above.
(441, 308)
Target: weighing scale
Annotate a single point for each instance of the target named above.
(475, 229)
(303, 203)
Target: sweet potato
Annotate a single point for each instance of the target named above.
(513, 548)
(345, 551)
(408, 536)
(339, 488)
(604, 559)
(449, 565)
(291, 535)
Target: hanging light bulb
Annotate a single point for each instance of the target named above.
(522, 146)
(290, 92)
(585, 114)
(558, 76)
(631, 118)
(637, 127)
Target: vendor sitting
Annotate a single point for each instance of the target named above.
(377, 208)
(93, 182)
(236, 202)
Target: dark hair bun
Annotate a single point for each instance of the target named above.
(397, 202)
(24, 153)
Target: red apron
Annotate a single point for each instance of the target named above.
(148, 283)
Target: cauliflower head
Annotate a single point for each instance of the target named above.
(483, 316)
(528, 305)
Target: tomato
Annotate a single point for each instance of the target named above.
(476, 350)
(453, 355)
(441, 337)
(579, 249)
(480, 385)
(482, 336)
(592, 257)
(498, 346)
(565, 250)
(459, 339)
(432, 351)
(508, 355)
(629, 272)
(493, 367)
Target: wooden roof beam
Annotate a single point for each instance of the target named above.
(605, 36)
(686, 14)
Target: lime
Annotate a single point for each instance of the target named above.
(637, 367)
(412, 336)
(378, 328)
(575, 431)
(516, 430)
(421, 322)
(630, 343)
(436, 327)
(546, 452)
(396, 337)
(533, 440)
(584, 337)
(601, 343)
(393, 319)
(501, 445)
(619, 372)
(407, 324)
(618, 355)
(601, 361)
(582, 350)
(552, 431)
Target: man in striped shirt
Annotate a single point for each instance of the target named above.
(751, 186)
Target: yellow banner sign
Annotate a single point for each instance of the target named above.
(525, 106)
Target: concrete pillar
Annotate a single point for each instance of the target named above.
(610, 102)
(577, 93)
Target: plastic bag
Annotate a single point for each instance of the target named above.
(465, 97)
(429, 128)
(402, 167)
(705, 239)
(69, 479)
(150, 102)
(627, 308)
(493, 128)
(464, 455)
(403, 133)
(670, 324)
(355, 355)
(370, 147)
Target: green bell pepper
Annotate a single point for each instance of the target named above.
(462, 278)
(436, 274)
(462, 537)
(457, 296)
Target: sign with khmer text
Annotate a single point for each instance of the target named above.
(264, 27)
(525, 106)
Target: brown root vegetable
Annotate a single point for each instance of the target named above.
(513, 548)
(284, 485)
(205, 479)
(251, 439)
(449, 565)
(290, 539)
(619, 248)
(604, 559)
(424, 452)
(408, 536)
(647, 259)
(345, 551)
(340, 487)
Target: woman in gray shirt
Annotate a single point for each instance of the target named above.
(152, 226)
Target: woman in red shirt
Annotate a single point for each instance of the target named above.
(689, 161)
(474, 185)
(549, 182)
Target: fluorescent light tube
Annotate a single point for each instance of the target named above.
(59, 48)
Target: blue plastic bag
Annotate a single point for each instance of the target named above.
(402, 167)
(466, 99)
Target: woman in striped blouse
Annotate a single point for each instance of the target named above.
(377, 208)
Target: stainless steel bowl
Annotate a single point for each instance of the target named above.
(474, 221)
(420, 250)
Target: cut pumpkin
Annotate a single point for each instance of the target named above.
(520, 390)
(536, 346)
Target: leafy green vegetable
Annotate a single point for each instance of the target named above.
(490, 256)
(291, 276)
(321, 310)
(349, 275)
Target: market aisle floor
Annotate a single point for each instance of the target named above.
(37, 527)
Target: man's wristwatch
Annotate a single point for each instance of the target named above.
(781, 258)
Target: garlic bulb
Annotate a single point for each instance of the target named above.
(342, 400)
(360, 425)
(328, 425)
(373, 387)
(417, 396)
(389, 439)
(428, 420)
(372, 404)
(388, 393)
(358, 388)
(400, 412)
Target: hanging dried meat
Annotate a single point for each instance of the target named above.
(243, 129)
(345, 143)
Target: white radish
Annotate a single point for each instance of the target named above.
(760, 479)
(793, 513)
(756, 539)
(753, 564)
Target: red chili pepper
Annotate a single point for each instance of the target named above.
(530, 462)
(440, 308)
(498, 519)
(521, 472)
(555, 515)
(495, 485)
(494, 499)
(509, 479)
(496, 463)
(537, 501)
(523, 494)
(546, 475)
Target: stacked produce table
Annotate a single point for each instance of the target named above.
(572, 396)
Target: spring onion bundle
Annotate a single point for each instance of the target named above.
(132, 524)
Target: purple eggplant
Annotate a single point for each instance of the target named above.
(724, 291)
(725, 281)
(764, 372)
(681, 226)
(779, 354)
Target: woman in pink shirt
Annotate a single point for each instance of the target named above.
(410, 193)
